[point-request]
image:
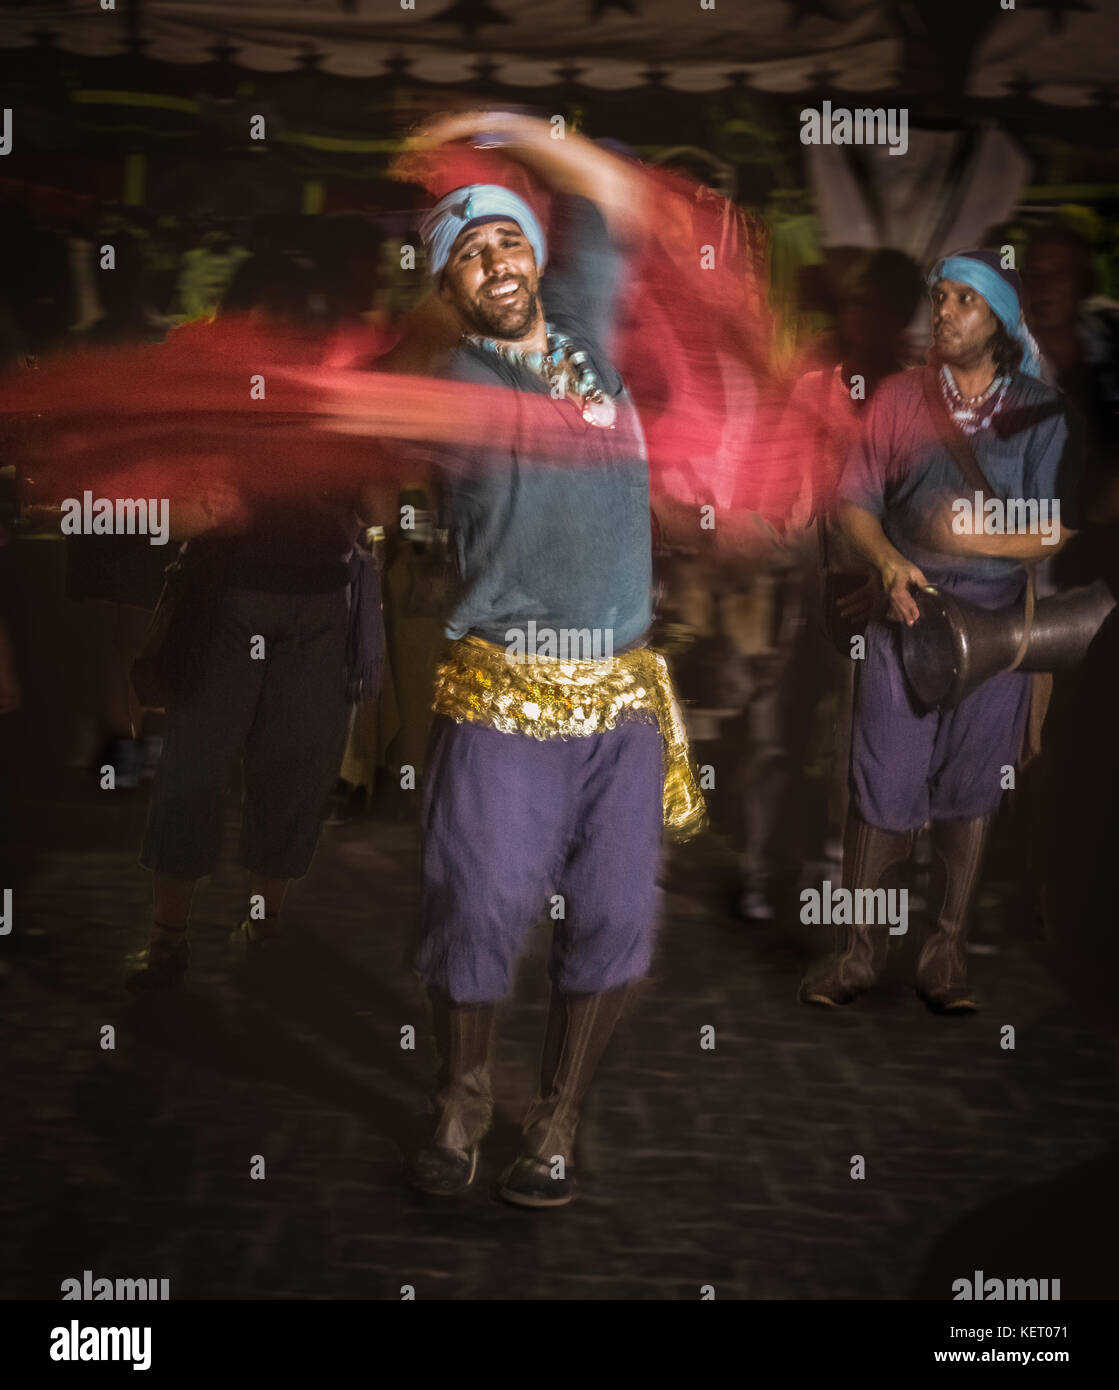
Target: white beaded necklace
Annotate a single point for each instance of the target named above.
(973, 413)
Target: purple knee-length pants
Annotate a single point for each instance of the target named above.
(508, 822)
(908, 768)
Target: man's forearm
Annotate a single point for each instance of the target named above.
(574, 164)
(1021, 546)
(569, 163)
(864, 531)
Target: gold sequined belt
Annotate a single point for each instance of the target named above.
(548, 699)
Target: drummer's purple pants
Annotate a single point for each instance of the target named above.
(908, 768)
(508, 822)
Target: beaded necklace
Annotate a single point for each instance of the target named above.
(973, 413)
(563, 363)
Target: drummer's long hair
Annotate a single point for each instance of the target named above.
(1007, 351)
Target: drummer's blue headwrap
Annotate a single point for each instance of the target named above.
(466, 207)
(1002, 290)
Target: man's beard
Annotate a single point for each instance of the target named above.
(492, 319)
(957, 353)
(966, 353)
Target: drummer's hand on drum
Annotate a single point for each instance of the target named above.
(897, 577)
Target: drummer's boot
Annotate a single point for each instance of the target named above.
(860, 948)
(957, 849)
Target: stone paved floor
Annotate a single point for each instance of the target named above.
(728, 1167)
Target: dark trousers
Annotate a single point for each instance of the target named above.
(286, 713)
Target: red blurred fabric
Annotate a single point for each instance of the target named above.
(692, 342)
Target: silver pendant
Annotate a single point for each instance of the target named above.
(600, 410)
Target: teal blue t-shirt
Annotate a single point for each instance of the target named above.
(566, 545)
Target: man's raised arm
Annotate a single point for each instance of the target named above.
(569, 163)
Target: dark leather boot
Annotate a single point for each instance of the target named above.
(447, 1164)
(957, 849)
(579, 1027)
(161, 964)
(860, 949)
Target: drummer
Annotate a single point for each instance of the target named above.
(948, 768)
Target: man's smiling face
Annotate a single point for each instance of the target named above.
(492, 280)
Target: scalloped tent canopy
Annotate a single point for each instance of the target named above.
(1060, 52)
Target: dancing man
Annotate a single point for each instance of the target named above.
(909, 768)
(542, 777)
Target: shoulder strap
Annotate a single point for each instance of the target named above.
(969, 466)
(955, 442)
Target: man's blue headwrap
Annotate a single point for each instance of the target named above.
(465, 207)
(1002, 291)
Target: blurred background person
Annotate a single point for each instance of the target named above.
(275, 600)
(1077, 332)
(116, 580)
(794, 778)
